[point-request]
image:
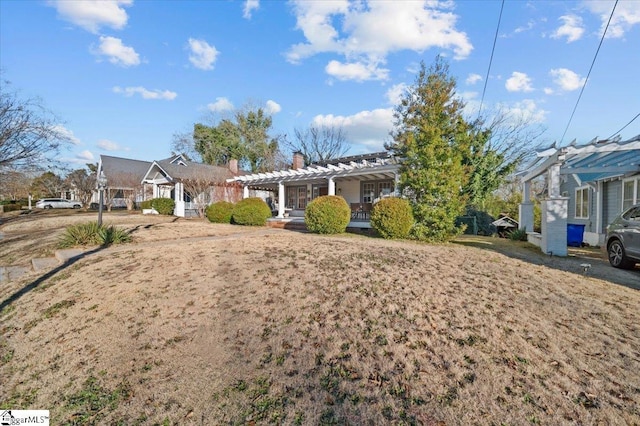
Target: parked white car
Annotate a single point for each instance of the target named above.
(57, 203)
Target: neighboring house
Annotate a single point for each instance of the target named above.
(124, 181)
(360, 179)
(588, 185)
(191, 185)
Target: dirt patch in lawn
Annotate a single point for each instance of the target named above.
(250, 325)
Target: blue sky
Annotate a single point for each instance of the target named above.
(124, 76)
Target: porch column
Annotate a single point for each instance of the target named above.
(281, 200)
(245, 191)
(554, 226)
(525, 210)
(554, 180)
(396, 184)
(599, 200)
(332, 186)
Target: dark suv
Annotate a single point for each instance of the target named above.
(623, 239)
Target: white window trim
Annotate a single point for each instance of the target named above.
(575, 209)
(636, 191)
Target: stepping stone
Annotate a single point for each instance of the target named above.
(64, 255)
(44, 263)
(10, 273)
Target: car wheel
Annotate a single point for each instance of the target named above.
(48, 207)
(617, 257)
(76, 206)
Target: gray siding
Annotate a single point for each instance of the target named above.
(569, 187)
(612, 201)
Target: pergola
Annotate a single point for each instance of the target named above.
(593, 163)
(378, 168)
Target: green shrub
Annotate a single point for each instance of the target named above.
(145, 205)
(251, 211)
(86, 234)
(329, 214)
(518, 235)
(392, 217)
(163, 205)
(11, 207)
(219, 212)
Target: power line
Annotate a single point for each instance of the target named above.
(625, 126)
(589, 73)
(495, 38)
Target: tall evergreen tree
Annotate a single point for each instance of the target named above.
(431, 136)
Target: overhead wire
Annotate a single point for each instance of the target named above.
(589, 73)
(625, 126)
(495, 38)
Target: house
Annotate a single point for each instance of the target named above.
(124, 177)
(588, 186)
(192, 185)
(360, 179)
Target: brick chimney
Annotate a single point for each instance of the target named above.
(233, 166)
(298, 160)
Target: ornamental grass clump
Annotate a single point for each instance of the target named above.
(392, 218)
(219, 212)
(251, 211)
(90, 234)
(329, 214)
(163, 205)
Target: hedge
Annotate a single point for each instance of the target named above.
(251, 211)
(329, 214)
(392, 217)
(219, 212)
(163, 205)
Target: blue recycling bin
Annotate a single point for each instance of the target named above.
(575, 235)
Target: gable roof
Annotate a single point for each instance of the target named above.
(178, 168)
(112, 166)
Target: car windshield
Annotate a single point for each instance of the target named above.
(632, 214)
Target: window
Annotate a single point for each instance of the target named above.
(582, 203)
(296, 197)
(376, 189)
(630, 192)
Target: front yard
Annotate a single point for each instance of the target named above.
(253, 325)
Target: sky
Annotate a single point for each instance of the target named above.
(123, 76)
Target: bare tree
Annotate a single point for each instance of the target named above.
(83, 184)
(183, 143)
(15, 184)
(127, 186)
(204, 190)
(319, 144)
(28, 132)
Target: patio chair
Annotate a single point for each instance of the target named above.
(355, 210)
(366, 210)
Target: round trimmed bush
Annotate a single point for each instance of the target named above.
(392, 217)
(163, 205)
(219, 212)
(251, 211)
(145, 205)
(329, 214)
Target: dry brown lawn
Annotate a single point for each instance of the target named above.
(195, 323)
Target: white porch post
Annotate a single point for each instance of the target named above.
(332, 186)
(281, 200)
(525, 211)
(396, 183)
(554, 215)
(245, 191)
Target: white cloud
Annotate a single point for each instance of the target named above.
(145, 93)
(202, 54)
(572, 28)
(369, 31)
(473, 79)
(357, 71)
(272, 107)
(396, 92)
(249, 7)
(548, 91)
(93, 14)
(85, 156)
(529, 26)
(118, 53)
(566, 79)
(108, 145)
(221, 104)
(627, 15)
(366, 130)
(518, 82)
(66, 133)
(526, 111)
